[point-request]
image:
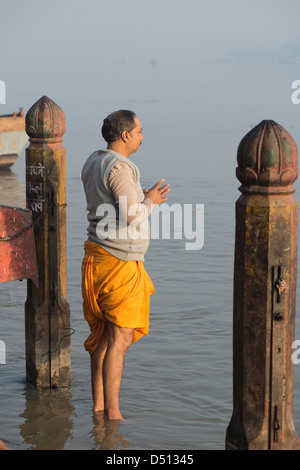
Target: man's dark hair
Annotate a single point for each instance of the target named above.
(116, 123)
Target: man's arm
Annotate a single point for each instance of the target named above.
(122, 184)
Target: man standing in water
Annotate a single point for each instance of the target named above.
(116, 288)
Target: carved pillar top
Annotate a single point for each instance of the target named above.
(267, 160)
(45, 121)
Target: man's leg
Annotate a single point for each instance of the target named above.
(97, 373)
(118, 341)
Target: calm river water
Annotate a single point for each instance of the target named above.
(177, 386)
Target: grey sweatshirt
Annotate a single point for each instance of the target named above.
(109, 226)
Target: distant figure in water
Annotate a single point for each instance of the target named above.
(116, 288)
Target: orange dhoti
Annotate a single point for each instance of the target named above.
(116, 291)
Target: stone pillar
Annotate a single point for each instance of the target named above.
(47, 312)
(265, 271)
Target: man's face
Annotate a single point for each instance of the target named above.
(136, 137)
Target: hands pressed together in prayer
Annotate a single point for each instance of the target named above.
(157, 193)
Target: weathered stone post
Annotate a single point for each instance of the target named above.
(47, 313)
(265, 271)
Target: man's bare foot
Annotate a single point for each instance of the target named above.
(110, 415)
(3, 446)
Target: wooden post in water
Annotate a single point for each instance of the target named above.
(265, 271)
(47, 312)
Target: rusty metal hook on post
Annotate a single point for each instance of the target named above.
(280, 285)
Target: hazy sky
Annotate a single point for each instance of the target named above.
(158, 57)
(114, 29)
(58, 45)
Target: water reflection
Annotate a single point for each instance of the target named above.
(12, 189)
(105, 433)
(47, 418)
